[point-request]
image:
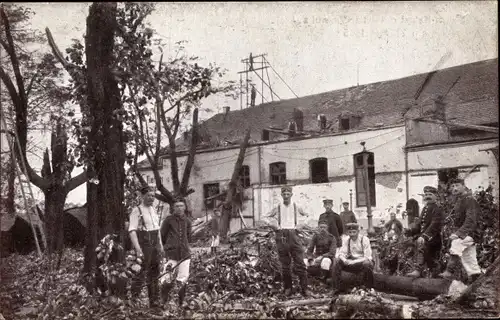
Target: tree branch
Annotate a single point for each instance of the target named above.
(57, 53)
(75, 182)
(192, 153)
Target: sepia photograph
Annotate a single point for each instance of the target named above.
(249, 160)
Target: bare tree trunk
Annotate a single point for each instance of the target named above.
(228, 207)
(11, 190)
(192, 154)
(106, 150)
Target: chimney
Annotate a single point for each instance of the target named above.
(298, 118)
(225, 109)
(265, 135)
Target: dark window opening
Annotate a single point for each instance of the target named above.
(265, 135)
(319, 170)
(210, 190)
(278, 172)
(245, 176)
(363, 173)
(344, 124)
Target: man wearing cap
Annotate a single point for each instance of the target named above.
(322, 249)
(465, 232)
(347, 215)
(354, 256)
(176, 234)
(145, 237)
(284, 220)
(428, 229)
(393, 227)
(335, 224)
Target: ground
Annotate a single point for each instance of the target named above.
(30, 290)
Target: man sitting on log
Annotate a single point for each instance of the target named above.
(283, 219)
(428, 229)
(322, 249)
(464, 237)
(355, 256)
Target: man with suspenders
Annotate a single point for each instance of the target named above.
(145, 237)
(283, 219)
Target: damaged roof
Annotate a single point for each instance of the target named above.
(470, 96)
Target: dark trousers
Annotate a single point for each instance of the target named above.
(149, 242)
(428, 254)
(290, 250)
(365, 268)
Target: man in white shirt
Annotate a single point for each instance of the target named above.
(283, 219)
(144, 233)
(355, 256)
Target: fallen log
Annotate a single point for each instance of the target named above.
(368, 303)
(421, 288)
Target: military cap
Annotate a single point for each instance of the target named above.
(286, 188)
(457, 180)
(352, 226)
(145, 189)
(345, 202)
(328, 201)
(179, 199)
(430, 189)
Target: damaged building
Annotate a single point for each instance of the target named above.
(414, 130)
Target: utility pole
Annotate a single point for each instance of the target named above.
(252, 65)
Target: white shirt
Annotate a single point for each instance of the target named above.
(359, 248)
(150, 219)
(287, 216)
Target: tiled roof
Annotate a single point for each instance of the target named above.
(472, 100)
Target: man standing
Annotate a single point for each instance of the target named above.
(347, 216)
(335, 224)
(355, 256)
(144, 234)
(283, 219)
(465, 234)
(393, 227)
(214, 231)
(322, 249)
(176, 234)
(428, 229)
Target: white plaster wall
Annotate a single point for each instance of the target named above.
(217, 166)
(310, 197)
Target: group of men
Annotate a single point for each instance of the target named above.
(338, 244)
(354, 253)
(334, 249)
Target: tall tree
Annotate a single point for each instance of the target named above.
(35, 85)
(106, 145)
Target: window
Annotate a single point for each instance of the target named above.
(278, 172)
(265, 135)
(245, 176)
(319, 170)
(344, 124)
(210, 190)
(360, 175)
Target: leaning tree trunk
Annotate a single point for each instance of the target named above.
(229, 204)
(106, 151)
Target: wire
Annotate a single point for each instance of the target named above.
(339, 157)
(336, 145)
(280, 78)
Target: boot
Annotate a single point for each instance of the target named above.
(303, 286)
(182, 293)
(287, 284)
(448, 273)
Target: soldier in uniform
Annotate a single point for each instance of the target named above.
(465, 234)
(176, 234)
(335, 224)
(284, 220)
(347, 215)
(322, 249)
(428, 229)
(144, 233)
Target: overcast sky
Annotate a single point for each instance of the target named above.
(314, 46)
